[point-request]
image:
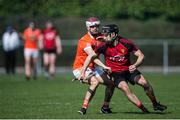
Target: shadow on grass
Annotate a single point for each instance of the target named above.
(159, 113)
(140, 113)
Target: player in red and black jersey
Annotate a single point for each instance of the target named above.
(52, 47)
(117, 51)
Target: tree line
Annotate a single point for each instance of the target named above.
(113, 9)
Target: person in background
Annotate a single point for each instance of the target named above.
(32, 37)
(10, 42)
(52, 47)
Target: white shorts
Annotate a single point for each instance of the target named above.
(31, 53)
(97, 71)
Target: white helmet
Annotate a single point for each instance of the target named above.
(92, 21)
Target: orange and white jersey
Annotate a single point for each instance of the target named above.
(84, 43)
(31, 38)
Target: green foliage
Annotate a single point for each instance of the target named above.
(60, 98)
(139, 9)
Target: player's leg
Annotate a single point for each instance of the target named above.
(89, 94)
(27, 58)
(27, 67)
(52, 62)
(140, 80)
(35, 57)
(131, 96)
(5, 62)
(93, 82)
(147, 88)
(121, 83)
(107, 99)
(46, 65)
(13, 60)
(103, 78)
(7, 68)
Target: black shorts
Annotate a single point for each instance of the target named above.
(125, 76)
(49, 51)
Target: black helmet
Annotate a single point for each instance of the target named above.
(111, 28)
(108, 30)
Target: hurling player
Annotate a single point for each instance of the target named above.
(86, 53)
(51, 47)
(117, 51)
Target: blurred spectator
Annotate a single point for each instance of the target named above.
(31, 38)
(52, 48)
(10, 42)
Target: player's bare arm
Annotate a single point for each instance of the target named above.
(91, 54)
(40, 41)
(140, 58)
(58, 44)
(99, 63)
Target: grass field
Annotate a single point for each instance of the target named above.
(61, 98)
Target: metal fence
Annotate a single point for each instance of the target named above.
(167, 51)
(160, 55)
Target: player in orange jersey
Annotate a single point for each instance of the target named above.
(85, 53)
(31, 38)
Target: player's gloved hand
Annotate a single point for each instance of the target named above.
(132, 68)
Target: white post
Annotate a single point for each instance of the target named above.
(165, 58)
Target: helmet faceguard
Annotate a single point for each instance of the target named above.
(109, 30)
(92, 25)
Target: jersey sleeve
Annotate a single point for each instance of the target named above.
(84, 44)
(25, 34)
(129, 44)
(134, 47)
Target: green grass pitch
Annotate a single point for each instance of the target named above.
(61, 98)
